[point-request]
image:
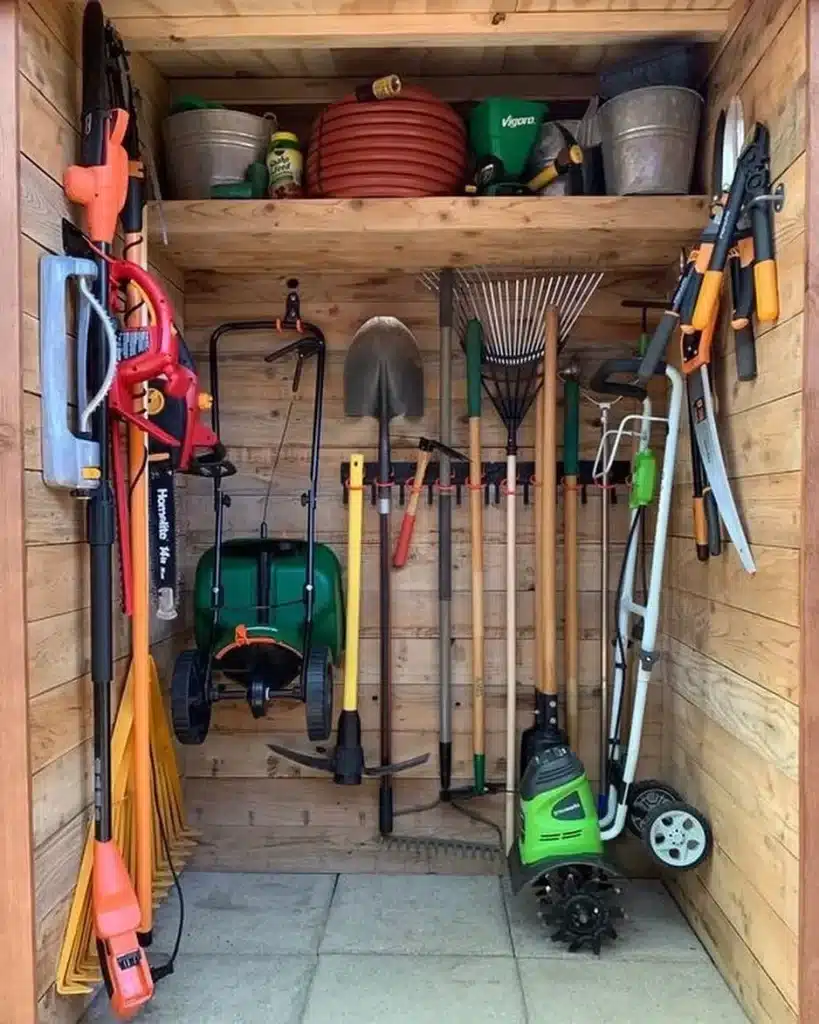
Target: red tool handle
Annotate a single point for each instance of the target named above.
(399, 558)
(161, 357)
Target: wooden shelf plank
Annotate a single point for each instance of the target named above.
(270, 91)
(582, 27)
(569, 232)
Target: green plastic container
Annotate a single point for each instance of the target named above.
(507, 129)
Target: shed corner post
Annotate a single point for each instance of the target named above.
(809, 702)
(16, 859)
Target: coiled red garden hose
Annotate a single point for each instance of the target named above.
(414, 145)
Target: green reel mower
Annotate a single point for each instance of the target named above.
(268, 612)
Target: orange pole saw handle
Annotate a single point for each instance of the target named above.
(101, 190)
(402, 547)
(116, 918)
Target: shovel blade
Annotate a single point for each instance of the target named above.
(384, 359)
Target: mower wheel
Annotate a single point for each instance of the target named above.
(644, 797)
(318, 695)
(190, 702)
(678, 836)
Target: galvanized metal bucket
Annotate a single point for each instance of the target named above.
(212, 147)
(649, 139)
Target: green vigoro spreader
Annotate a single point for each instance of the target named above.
(268, 611)
(506, 129)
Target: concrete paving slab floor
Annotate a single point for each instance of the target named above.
(418, 949)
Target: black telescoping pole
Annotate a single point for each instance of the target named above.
(385, 796)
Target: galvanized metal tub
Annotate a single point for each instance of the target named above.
(212, 147)
(649, 139)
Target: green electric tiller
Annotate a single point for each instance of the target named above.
(268, 613)
(559, 851)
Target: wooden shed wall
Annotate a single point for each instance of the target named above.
(57, 557)
(732, 644)
(255, 810)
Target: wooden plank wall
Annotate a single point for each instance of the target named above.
(255, 810)
(57, 591)
(731, 725)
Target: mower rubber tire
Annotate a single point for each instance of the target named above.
(318, 694)
(678, 836)
(644, 798)
(190, 702)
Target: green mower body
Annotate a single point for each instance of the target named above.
(270, 616)
(558, 817)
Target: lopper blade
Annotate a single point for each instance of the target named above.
(705, 430)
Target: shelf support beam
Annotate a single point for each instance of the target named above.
(271, 32)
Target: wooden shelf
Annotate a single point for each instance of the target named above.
(576, 232)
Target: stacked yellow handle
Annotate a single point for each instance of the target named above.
(356, 506)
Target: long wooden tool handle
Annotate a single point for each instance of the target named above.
(511, 653)
(474, 349)
(476, 524)
(136, 251)
(402, 547)
(548, 519)
(538, 666)
(571, 431)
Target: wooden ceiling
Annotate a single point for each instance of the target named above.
(417, 38)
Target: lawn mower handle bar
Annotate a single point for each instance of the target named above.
(316, 336)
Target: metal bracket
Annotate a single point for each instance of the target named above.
(775, 198)
(648, 659)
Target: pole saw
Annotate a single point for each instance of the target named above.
(99, 184)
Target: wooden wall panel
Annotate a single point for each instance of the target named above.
(57, 571)
(733, 665)
(233, 779)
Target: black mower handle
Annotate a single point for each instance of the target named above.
(602, 383)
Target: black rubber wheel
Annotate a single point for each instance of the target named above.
(318, 695)
(190, 703)
(645, 797)
(678, 836)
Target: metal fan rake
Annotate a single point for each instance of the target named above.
(514, 309)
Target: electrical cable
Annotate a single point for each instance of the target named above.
(111, 369)
(164, 970)
(481, 819)
(619, 638)
(276, 463)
